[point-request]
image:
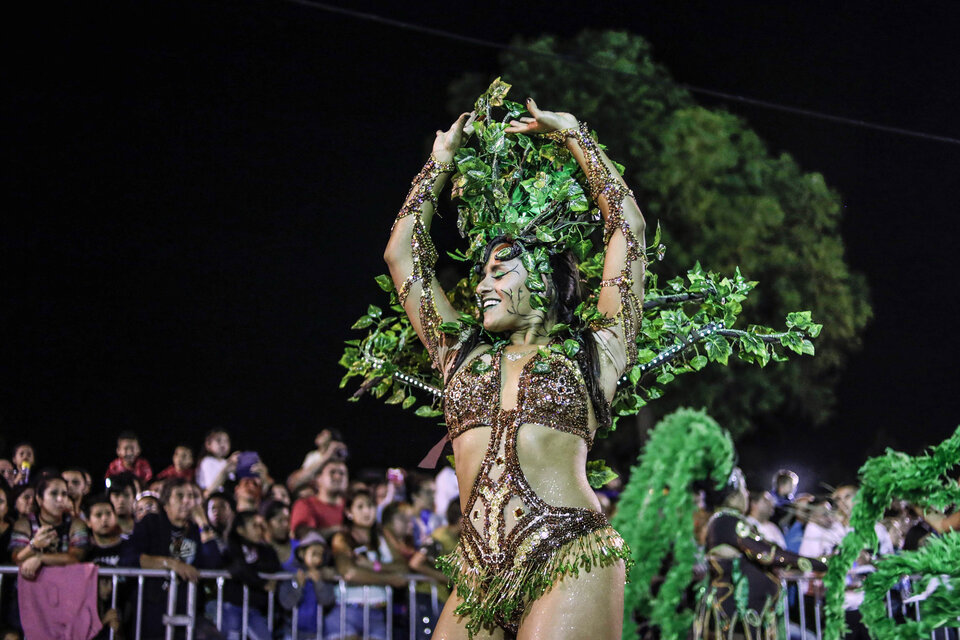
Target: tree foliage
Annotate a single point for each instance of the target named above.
(722, 200)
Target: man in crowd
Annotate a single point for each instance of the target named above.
(761, 508)
(421, 490)
(219, 511)
(330, 446)
(324, 510)
(128, 459)
(178, 539)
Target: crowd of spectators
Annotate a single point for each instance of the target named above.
(224, 510)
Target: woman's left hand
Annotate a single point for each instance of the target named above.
(542, 121)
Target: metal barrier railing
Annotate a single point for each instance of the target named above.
(187, 619)
(801, 592)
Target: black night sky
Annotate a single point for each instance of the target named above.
(198, 193)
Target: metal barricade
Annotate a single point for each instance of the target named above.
(187, 619)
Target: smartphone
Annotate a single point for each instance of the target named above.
(245, 461)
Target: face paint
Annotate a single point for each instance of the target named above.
(504, 297)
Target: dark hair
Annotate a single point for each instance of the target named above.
(8, 493)
(44, 484)
(271, 508)
(120, 482)
(18, 491)
(240, 519)
(220, 494)
(22, 444)
(414, 481)
(353, 496)
(79, 470)
(565, 291)
(127, 434)
(328, 462)
(454, 512)
(93, 500)
(391, 510)
(168, 487)
(215, 431)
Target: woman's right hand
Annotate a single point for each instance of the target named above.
(447, 142)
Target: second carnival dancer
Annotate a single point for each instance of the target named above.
(536, 558)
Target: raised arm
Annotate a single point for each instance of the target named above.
(621, 294)
(410, 253)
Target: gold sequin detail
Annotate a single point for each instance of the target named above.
(423, 255)
(602, 183)
(499, 569)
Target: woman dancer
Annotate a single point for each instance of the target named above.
(536, 559)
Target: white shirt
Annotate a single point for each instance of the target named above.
(208, 470)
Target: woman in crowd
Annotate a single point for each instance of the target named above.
(6, 521)
(23, 503)
(49, 537)
(522, 417)
(362, 557)
(248, 555)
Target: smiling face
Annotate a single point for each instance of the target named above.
(504, 296)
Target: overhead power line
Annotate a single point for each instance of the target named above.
(763, 104)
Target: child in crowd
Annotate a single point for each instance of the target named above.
(182, 466)
(362, 556)
(106, 547)
(128, 458)
(122, 493)
(213, 470)
(248, 555)
(24, 459)
(313, 586)
(147, 503)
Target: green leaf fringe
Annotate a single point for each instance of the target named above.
(655, 515)
(921, 480)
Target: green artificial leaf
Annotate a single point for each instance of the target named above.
(599, 474)
(718, 349)
(699, 362)
(397, 397)
(571, 347)
(385, 282)
(807, 348)
(374, 311)
(426, 411)
(408, 402)
(665, 377)
(538, 302)
(452, 462)
(558, 328)
(362, 323)
(450, 328)
(478, 366)
(540, 367)
(635, 374)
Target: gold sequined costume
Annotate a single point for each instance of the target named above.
(515, 546)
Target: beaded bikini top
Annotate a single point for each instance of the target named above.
(551, 393)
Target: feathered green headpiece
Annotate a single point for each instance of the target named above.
(530, 190)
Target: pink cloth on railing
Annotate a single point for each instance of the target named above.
(61, 604)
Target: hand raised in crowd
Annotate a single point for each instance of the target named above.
(447, 142)
(542, 121)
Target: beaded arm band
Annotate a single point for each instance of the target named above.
(423, 253)
(602, 183)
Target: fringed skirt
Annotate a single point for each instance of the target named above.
(497, 598)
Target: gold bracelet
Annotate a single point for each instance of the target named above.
(444, 167)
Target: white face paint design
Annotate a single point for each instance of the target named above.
(504, 297)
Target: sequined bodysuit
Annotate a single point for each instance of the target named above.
(514, 544)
